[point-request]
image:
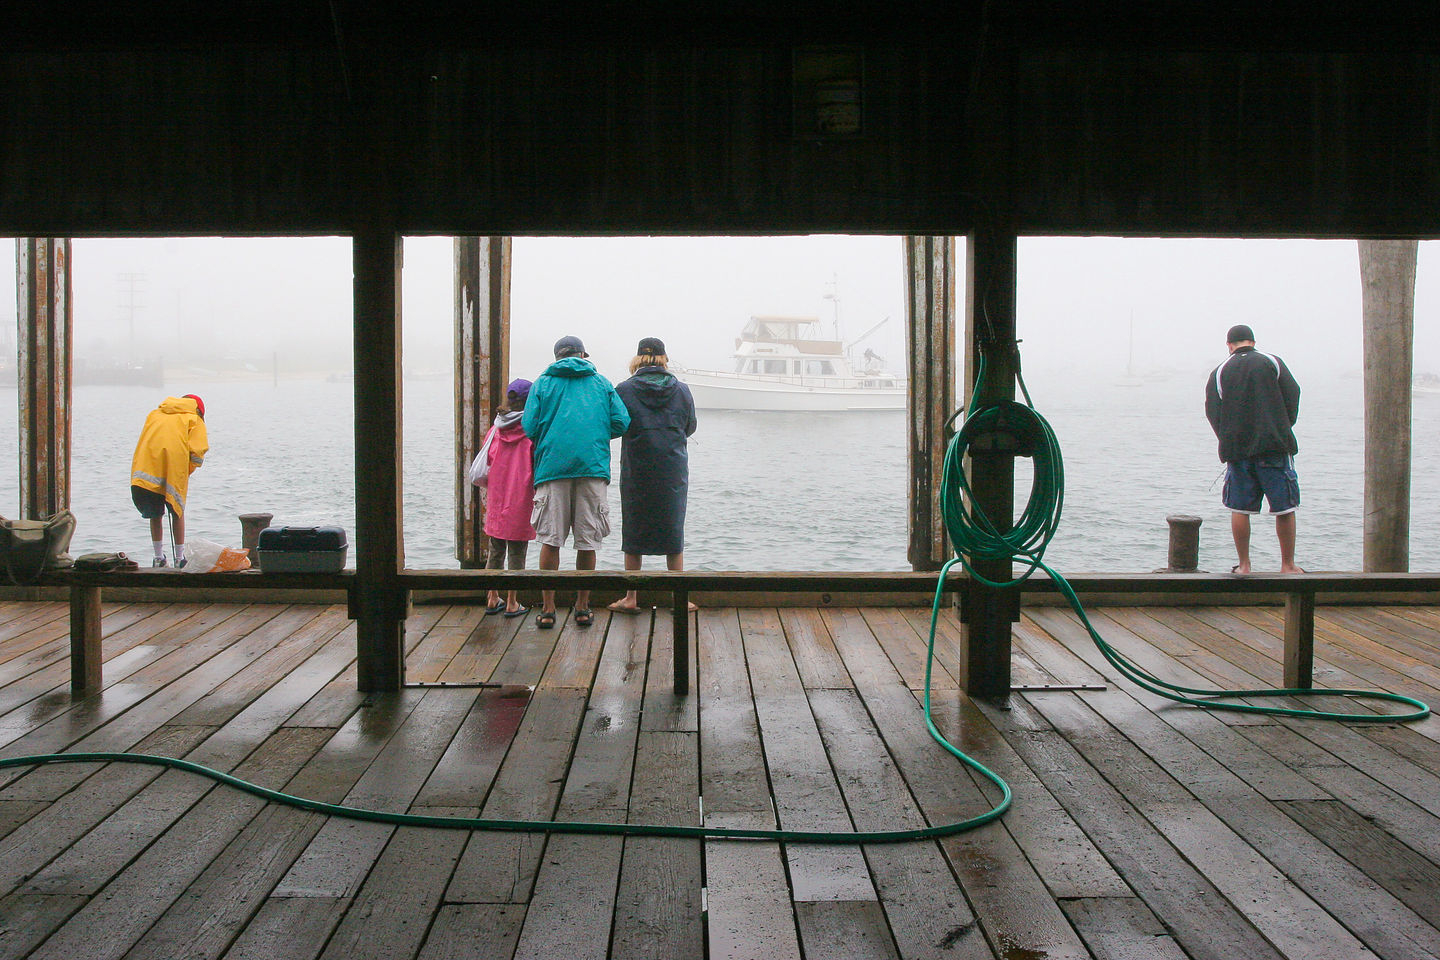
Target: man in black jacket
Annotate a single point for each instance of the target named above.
(1252, 402)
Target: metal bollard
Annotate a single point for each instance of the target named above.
(250, 526)
(1184, 543)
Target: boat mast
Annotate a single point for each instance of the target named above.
(1130, 357)
(833, 295)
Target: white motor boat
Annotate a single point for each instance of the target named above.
(781, 364)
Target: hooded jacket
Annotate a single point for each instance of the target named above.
(654, 462)
(172, 445)
(572, 414)
(1252, 402)
(510, 494)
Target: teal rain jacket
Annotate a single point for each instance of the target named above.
(572, 414)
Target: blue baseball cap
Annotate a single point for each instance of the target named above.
(569, 347)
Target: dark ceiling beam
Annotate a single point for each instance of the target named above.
(423, 25)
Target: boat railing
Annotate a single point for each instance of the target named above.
(837, 383)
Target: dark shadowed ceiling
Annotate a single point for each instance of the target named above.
(1289, 119)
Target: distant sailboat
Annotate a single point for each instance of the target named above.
(1131, 378)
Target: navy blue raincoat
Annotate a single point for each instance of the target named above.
(654, 462)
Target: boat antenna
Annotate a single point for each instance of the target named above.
(861, 339)
(833, 295)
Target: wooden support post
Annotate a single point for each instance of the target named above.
(1299, 640)
(1387, 274)
(930, 315)
(378, 603)
(986, 614)
(42, 287)
(85, 662)
(680, 612)
(482, 364)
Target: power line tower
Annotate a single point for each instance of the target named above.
(131, 288)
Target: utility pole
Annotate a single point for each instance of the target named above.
(130, 289)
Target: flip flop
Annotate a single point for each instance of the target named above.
(545, 620)
(491, 611)
(630, 610)
(517, 613)
(583, 618)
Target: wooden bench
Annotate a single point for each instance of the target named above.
(86, 586)
(1299, 590)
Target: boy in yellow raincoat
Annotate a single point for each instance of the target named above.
(172, 446)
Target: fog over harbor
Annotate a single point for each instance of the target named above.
(257, 325)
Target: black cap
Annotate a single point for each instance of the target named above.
(569, 347)
(1240, 333)
(651, 347)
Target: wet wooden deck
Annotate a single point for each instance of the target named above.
(1140, 829)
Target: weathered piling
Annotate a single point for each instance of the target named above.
(1387, 274)
(1184, 556)
(250, 526)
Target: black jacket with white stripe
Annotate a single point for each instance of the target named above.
(1252, 402)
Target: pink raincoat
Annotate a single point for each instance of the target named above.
(511, 487)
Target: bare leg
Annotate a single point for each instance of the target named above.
(631, 600)
(549, 560)
(1285, 530)
(157, 537)
(177, 534)
(676, 561)
(493, 596)
(584, 560)
(1240, 531)
(514, 560)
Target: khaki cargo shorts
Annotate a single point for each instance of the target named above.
(579, 504)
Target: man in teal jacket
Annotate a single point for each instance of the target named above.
(572, 415)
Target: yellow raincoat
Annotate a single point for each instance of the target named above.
(172, 446)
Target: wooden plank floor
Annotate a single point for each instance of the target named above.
(1140, 829)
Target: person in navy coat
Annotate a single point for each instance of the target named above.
(654, 463)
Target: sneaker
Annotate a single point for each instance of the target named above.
(180, 564)
(158, 562)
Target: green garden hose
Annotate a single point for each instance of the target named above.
(548, 826)
(973, 536)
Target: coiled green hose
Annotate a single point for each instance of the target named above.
(973, 535)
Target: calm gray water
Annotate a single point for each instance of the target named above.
(768, 491)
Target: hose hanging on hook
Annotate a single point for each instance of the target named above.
(1020, 427)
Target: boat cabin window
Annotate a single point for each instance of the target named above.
(773, 366)
(819, 368)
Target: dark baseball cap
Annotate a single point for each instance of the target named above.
(1240, 333)
(569, 347)
(518, 389)
(651, 347)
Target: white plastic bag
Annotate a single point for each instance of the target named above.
(201, 555)
(207, 556)
(479, 472)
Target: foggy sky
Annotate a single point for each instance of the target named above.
(252, 298)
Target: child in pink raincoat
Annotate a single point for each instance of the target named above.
(510, 495)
